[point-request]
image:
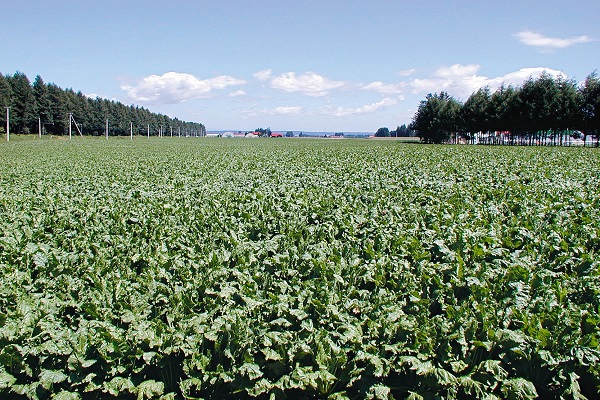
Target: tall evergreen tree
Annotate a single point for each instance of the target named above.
(42, 105)
(541, 111)
(5, 100)
(590, 107)
(59, 110)
(52, 104)
(22, 112)
(505, 113)
(5, 92)
(84, 109)
(567, 113)
(473, 114)
(436, 118)
(403, 131)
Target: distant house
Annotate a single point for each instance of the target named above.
(276, 134)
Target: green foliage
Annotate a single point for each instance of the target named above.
(382, 132)
(403, 131)
(540, 111)
(174, 269)
(474, 113)
(263, 132)
(5, 94)
(590, 93)
(437, 118)
(52, 105)
(22, 103)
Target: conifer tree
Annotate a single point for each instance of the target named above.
(22, 107)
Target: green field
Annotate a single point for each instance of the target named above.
(292, 268)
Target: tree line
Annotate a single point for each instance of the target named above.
(400, 131)
(37, 105)
(543, 111)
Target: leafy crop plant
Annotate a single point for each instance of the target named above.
(238, 269)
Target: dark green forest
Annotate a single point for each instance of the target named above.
(46, 107)
(544, 111)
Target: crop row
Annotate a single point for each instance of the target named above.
(298, 269)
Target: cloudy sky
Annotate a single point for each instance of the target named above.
(310, 65)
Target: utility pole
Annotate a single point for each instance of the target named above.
(171, 131)
(148, 131)
(106, 130)
(7, 124)
(131, 130)
(40, 127)
(76, 126)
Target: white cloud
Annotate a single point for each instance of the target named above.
(94, 96)
(517, 78)
(282, 110)
(263, 75)
(387, 89)
(289, 110)
(462, 80)
(546, 43)
(245, 114)
(174, 87)
(309, 84)
(457, 70)
(406, 72)
(366, 109)
(237, 93)
(458, 80)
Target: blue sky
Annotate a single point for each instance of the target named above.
(344, 66)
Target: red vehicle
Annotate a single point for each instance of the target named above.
(276, 134)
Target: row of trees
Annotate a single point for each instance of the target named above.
(546, 110)
(400, 131)
(49, 106)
